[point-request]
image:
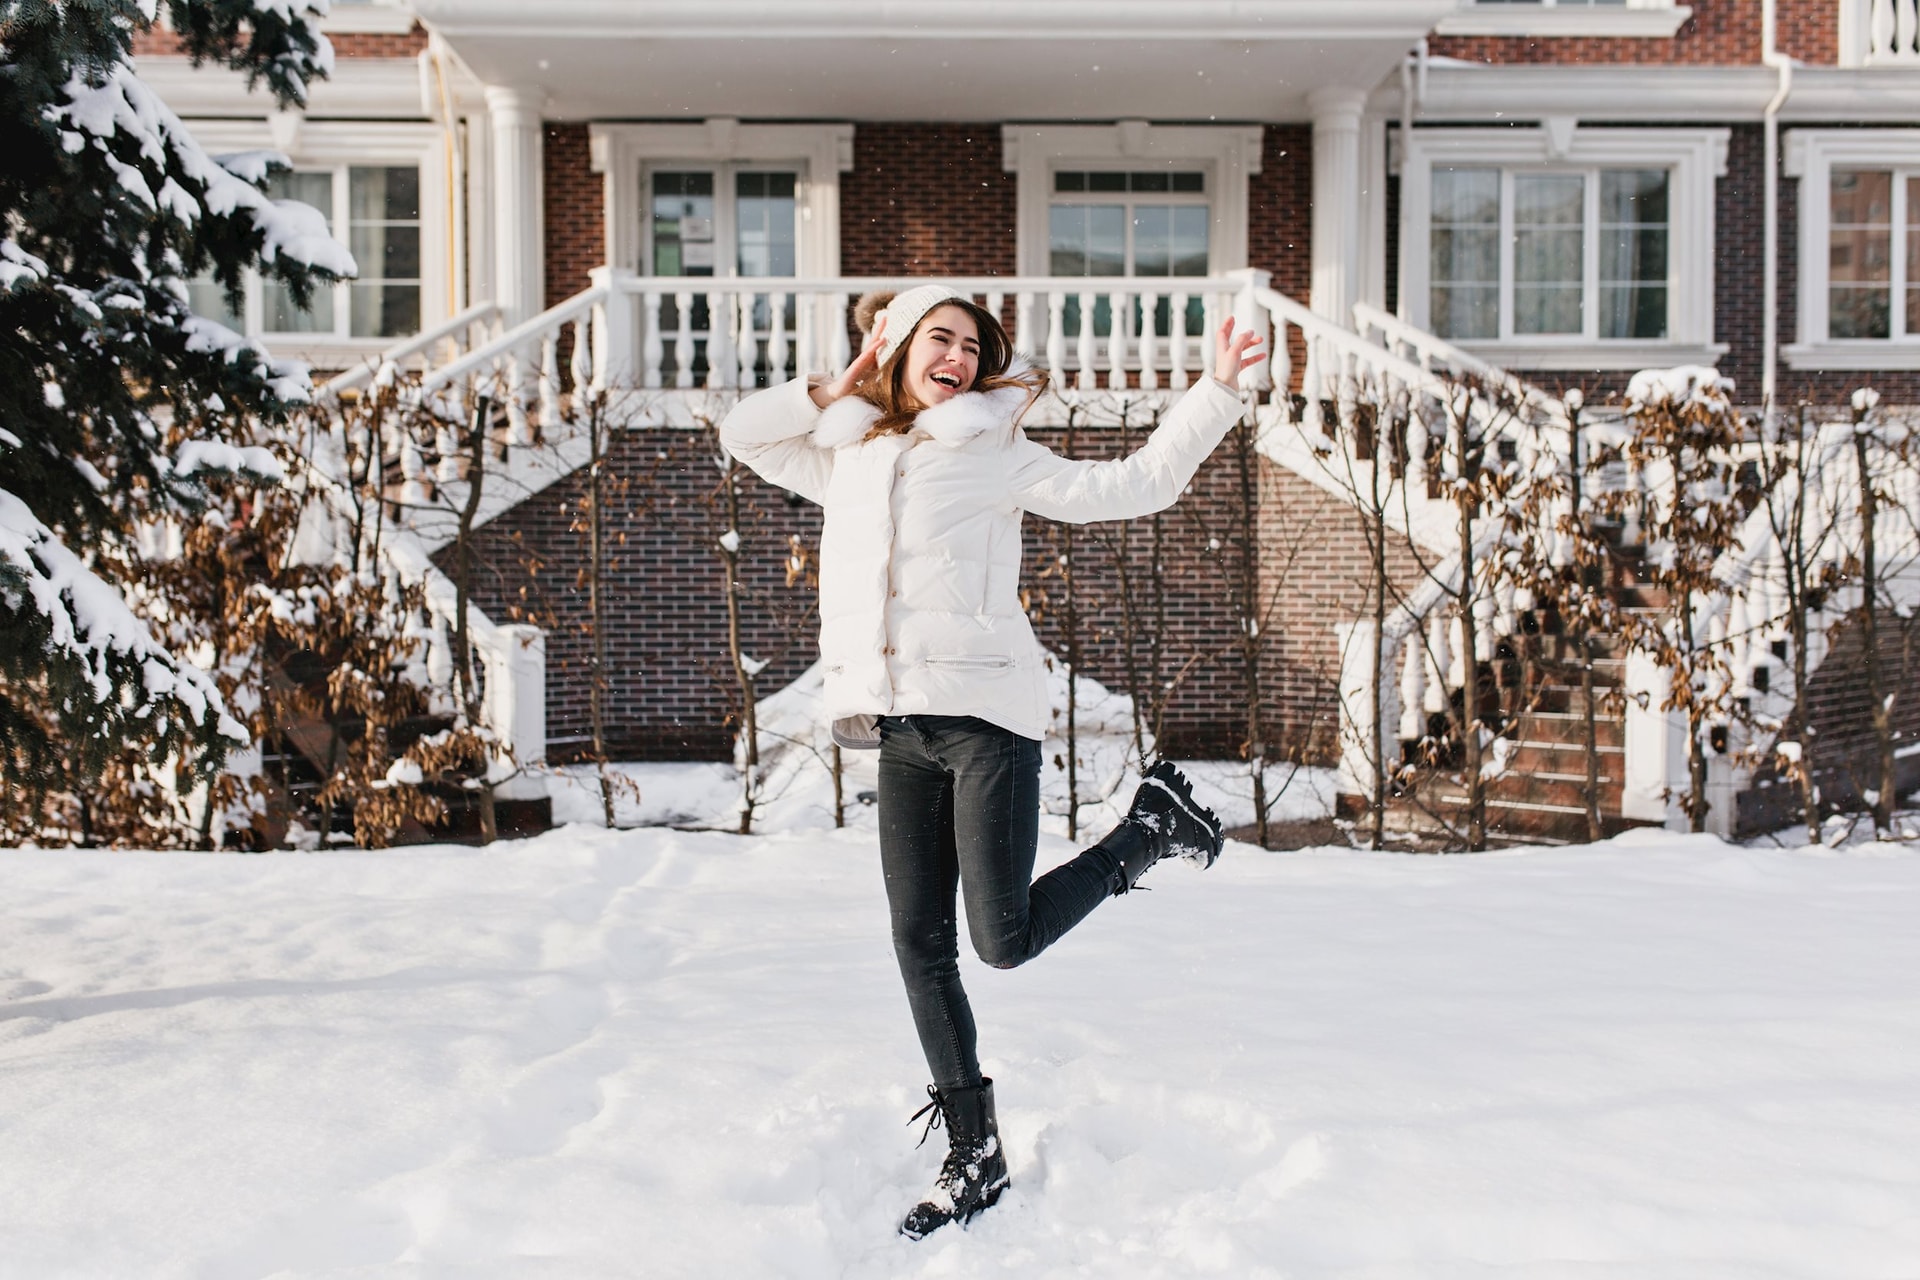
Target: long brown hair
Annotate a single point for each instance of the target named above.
(886, 387)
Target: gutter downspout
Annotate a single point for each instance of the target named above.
(456, 178)
(1770, 252)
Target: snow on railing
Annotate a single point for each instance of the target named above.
(449, 339)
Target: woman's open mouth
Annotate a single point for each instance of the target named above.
(945, 379)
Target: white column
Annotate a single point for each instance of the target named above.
(518, 275)
(1337, 217)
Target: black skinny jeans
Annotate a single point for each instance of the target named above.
(960, 806)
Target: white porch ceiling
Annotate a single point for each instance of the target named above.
(875, 60)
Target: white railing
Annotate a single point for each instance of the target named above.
(448, 340)
(512, 659)
(1880, 33)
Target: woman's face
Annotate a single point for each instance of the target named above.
(944, 356)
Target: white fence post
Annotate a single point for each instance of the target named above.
(1357, 725)
(1655, 762)
(516, 702)
(1249, 314)
(615, 336)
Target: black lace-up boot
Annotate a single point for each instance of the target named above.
(1165, 822)
(975, 1170)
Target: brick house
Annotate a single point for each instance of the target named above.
(574, 192)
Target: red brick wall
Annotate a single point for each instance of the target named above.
(1720, 33)
(346, 44)
(1280, 209)
(575, 224)
(927, 200)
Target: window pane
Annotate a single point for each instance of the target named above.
(1860, 255)
(1463, 253)
(384, 194)
(1152, 240)
(1633, 311)
(1467, 255)
(386, 252)
(1150, 181)
(1862, 198)
(1634, 233)
(1106, 182)
(764, 216)
(1194, 182)
(1190, 227)
(383, 231)
(1548, 252)
(1913, 256)
(206, 298)
(683, 224)
(281, 315)
(1466, 195)
(1106, 240)
(1465, 311)
(383, 310)
(1556, 199)
(1067, 240)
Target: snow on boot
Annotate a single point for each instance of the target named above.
(975, 1170)
(1165, 822)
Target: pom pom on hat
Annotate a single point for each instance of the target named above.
(903, 311)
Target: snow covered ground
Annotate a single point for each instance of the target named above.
(656, 1053)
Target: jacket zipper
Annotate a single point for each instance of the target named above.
(982, 662)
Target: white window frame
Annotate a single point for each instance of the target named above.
(339, 145)
(1694, 158)
(1226, 155)
(626, 154)
(1811, 156)
(1650, 19)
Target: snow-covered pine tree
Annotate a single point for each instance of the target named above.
(107, 207)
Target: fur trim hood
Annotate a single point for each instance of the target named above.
(847, 420)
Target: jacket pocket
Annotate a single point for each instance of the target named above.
(969, 661)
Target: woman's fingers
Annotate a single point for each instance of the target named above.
(1232, 352)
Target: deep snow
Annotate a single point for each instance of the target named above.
(654, 1053)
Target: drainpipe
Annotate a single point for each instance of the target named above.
(456, 179)
(1770, 216)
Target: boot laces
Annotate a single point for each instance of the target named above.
(935, 1113)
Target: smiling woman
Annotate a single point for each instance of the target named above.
(916, 453)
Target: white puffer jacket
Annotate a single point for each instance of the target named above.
(920, 553)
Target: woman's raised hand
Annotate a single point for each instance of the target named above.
(1230, 353)
(866, 362)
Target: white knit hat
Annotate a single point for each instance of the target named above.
(906, 311)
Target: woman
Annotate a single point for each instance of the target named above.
(917, 455)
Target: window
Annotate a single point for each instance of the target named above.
(1519, 254)
(375, 211)
(1873, 256)
(721, 220)
(1141, 223)
(1859, 250)
(1578, 248)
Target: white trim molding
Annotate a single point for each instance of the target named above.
(1811, 156)
(329, 143)
(377, 17)
(1694, 158)
(1466, 92)
(822, 152)
(1651, 19)
(1228, 154)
